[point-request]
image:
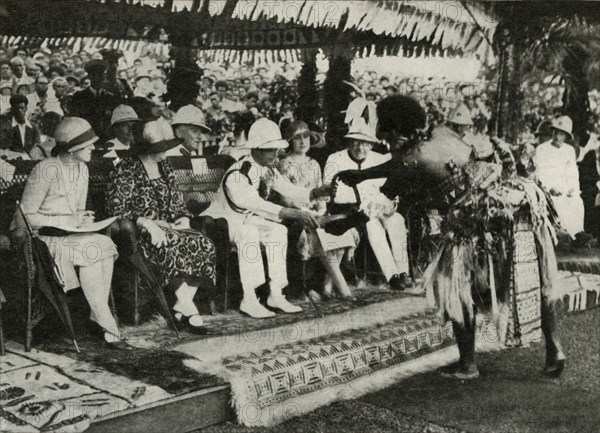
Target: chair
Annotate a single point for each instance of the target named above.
(198, 179)
(18, 252)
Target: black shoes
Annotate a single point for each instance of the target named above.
(401, 282)
(192, 329)
(396, 284)
(554, 371)
(406, 280)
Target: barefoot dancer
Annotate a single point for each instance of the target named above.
(497, 251)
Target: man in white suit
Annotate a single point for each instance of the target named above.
(392, 256)
(254, 222)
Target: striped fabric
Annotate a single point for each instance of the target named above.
(524, 325)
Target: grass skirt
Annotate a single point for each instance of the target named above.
(460, 275)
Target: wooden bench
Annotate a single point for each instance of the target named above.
(198, 187)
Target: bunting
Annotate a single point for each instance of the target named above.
(285, 30)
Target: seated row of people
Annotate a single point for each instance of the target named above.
(256, 194)
(142, 190)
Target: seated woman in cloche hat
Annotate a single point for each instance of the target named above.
(55, 195)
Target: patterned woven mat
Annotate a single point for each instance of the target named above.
(40, 391)
(232, 323)
(586, 260)
(262, 381)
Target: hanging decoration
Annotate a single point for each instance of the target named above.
(289, 31)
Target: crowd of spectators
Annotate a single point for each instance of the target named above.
(103, 95)
(233, 97)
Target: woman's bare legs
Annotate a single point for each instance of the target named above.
(555, 357)
(331, 261)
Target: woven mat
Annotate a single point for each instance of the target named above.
(264, 382)
(158, 334)
(41, 391)
(586, 260)
(579, 291)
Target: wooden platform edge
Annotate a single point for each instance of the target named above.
(178, 414)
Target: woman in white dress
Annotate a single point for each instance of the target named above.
(55, 195)
(304, 171)
(558, 173)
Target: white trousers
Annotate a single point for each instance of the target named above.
(392, 256)
(571, 212)
(248, 238)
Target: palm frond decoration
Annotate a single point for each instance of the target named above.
(558, 38)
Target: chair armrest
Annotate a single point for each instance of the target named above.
(202, 223)
(196, 208)
(216, 229)
(123, 232)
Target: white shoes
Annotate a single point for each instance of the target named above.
(111, 337)
(282, 304)
(255, 309)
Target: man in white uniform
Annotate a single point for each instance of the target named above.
(392, 256)
(255, 222)
(189, 123)
(558, 173)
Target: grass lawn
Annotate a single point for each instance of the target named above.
(511, 395)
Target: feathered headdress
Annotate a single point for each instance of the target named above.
(360, 110)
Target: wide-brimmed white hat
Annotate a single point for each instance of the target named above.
(265, 134)
(564, 124)
(190, 115)
(123, 113)
(359, 130)
(142, 73)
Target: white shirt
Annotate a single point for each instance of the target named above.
(117, 144)
(22, 128)
(557, 167)
(341, 161)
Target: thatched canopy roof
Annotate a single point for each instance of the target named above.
(244, 28)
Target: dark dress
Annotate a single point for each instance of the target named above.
(132, 194)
